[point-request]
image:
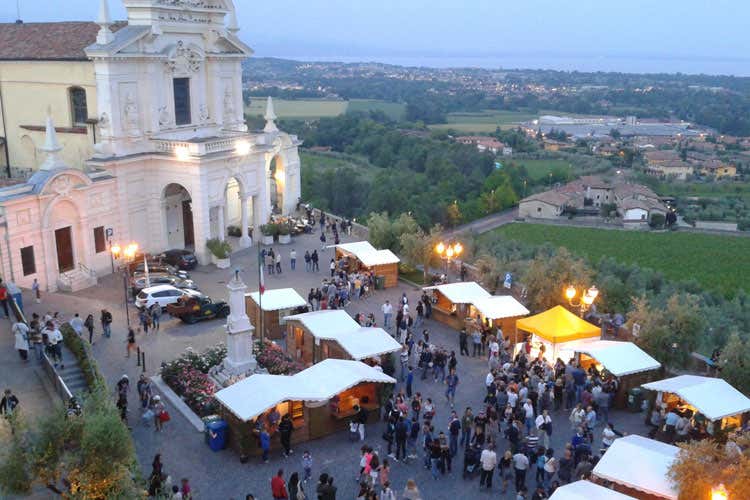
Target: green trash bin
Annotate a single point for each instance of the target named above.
(379, 282)
(635, 399)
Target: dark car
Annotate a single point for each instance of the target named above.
(195, 308)
(160, 268)
(139, 281)
(182, 259)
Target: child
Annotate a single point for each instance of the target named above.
(265, 444)
(307, 465)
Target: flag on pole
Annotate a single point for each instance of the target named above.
(145, 270)
(261, 280)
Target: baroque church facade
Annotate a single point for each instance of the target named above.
(173, 162)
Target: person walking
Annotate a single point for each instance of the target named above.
(387, 310)
(332, 267)
(8, 404)
(295, 487)
(130, 342)
(544, 427)
(308, 261)
(4, 298)
(452, 382)
(89, 324)
(314, 259)
(454, 429)
(270, 261)
(278, 486)
(322, 241)
(77, 324)
(411, 492)
(21, 333)
(463, 342)
(15, 293)
(520, 466)
(55, 339)
(467, 420)
(36, 291)
(285, 434)
(144, 390)
(488, 460)
(160, 413)
(35, 336)
(277, 260)
(106, 320)
(293, 262)
(476, 340)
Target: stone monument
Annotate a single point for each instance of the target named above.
(240, 361)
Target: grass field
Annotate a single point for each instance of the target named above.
(538, 169)
(309, 109)
(337, 161)
(716, 262)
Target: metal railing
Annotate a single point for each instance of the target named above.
(60, 387)
(90, 272)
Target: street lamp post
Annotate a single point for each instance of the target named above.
(127, 254)
(448, 251)
(586, 300)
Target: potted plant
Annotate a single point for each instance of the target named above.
(220, 251)
(246, 445)
(269, 231)
(285, 234)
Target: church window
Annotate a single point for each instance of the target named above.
(27, 260)
(100, 244)
(78, 109)
(181, 88)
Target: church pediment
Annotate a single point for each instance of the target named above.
(184, 58)
(64, 182)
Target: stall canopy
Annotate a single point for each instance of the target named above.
(466, 292)
(336, 325)
(558, 325)
(500, 306)
(713, 397)
(252, 396)
(586, 490)
(281, 298)
(367, 254)
(640, 463)
(618, 358)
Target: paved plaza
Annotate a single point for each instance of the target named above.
(220, 475)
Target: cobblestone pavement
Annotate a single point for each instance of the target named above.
(220, 475)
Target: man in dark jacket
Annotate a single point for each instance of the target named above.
(285, 434)
(463, 342)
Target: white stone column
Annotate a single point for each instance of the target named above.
(245, 240)
(222, 229)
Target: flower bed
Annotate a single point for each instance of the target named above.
(188, 377)
(272, 358)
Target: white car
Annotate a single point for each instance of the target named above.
(162, 295)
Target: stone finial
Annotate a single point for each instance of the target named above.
(232, 25)
(51, 146)
(104, 36)
(270, 116)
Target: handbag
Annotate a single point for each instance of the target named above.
(164, 416)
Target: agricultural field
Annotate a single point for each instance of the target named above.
(310, 109)
(484, 122)
(713, 261)
(321, 161)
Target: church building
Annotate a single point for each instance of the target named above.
(159, 151)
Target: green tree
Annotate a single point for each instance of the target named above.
(418, 248)
(386, 233)
(547, 277)
(453, 215)
(735, 362)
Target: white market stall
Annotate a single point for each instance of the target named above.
(332, 333)
(713, 398)
(624, 360)
(276, 304)
(500, 311)
(639, 463)
(319, 399)
(453, 302)
(586, 490)
(368, 258)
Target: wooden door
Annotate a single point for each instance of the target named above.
(187, 224)
(64, 244)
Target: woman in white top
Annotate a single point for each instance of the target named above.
(577, 416)
(609, 434)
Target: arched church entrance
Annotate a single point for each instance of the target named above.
(64, 223)
(178, 214)
(276, 184)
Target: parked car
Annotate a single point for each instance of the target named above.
(162, 295)
(139, 281)
(192, 308)
(160, 267)
(182, 259)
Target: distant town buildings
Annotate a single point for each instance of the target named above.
(486, 143)
(634, 204)
(602, 126)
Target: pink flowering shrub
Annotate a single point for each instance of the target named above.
(188, 377)
(273, 359)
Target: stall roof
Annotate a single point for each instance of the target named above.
(619, 358)
(640, 463)
(357, 341)
(586, 490)
(558, 325)
(466, 292)
(280, 298)
(713, 397)
(500, 306)
(326, 323)
(367, 254)
(252, 396)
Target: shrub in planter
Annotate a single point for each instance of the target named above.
(234, 231)
(272, 358)
(188, 377)
(86, 362)
(219, 249)
(270, 229)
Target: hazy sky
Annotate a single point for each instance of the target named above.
(686, 35)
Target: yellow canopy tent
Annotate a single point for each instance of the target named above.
(557, 326)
